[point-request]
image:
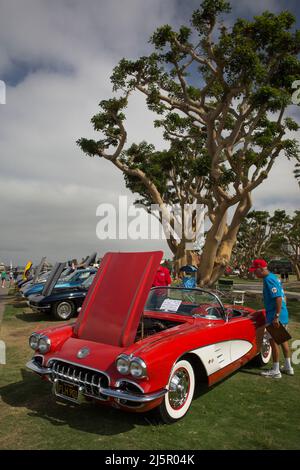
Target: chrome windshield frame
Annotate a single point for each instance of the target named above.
(197, 289)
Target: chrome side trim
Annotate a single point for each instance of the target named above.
(38, 307)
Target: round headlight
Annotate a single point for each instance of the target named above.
(34, 341)
(44, 344)
(123, 365)
(138, 368)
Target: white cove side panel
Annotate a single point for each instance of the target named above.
(217, 356)
(239, 348)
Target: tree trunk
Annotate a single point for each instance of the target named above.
(183, 257)
(220, 242)
(210, 249)
(297, 270)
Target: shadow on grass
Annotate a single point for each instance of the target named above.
(35, 395)
(17, 303)
(5, 297)
(35, 317)
(250, 371)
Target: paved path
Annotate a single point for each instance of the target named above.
(257, 289)
(3, 299)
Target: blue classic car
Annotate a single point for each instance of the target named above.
(61, 303)
(42, 279)
(73, 280)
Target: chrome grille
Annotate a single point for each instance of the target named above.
(90, 380)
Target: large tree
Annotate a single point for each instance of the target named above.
(221, 94)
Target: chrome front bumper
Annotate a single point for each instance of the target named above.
(35, 367)
(117, 394)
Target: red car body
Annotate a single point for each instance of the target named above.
(172, 356)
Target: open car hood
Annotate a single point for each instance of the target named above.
(53, 278)
(38, 270)
(113, 307)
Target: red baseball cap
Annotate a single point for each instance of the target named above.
(258, 263)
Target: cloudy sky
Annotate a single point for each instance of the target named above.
(56, 58)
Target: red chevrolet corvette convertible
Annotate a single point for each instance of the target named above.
(138, 348)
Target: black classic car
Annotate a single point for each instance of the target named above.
(62, 303)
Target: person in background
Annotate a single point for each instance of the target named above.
(188, 276)
(16, 274)
(286, 275)
(162, 276)
(11, 278)
(3, 278)
(276, 310)
(162, 279)
(282, 276)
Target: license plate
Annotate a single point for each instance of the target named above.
(66, 390)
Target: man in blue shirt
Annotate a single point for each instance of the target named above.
(276, 311)
(188, 276)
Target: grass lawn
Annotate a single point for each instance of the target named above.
(246, 411)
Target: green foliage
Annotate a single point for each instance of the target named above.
(89, 146)
(257, 58)
(205, 17)
(257, 234)
(291, 148)
(286, 239)
(297, 172)
(274, 98)
(108, 121)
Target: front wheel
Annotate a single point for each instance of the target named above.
(178, 399)
(63, 310)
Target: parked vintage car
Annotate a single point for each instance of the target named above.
(28, 284)
(74, 279)
(63, 304)
(140, 350)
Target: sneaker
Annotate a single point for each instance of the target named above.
(289, 371)
(271, 374)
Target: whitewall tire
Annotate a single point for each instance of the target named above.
(264, 357)
(181, 387)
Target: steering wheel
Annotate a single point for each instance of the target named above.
(201, 310)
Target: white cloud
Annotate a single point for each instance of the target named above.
(58, 57)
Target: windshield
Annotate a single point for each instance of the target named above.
(67, 272)
(43, 276)
(67, 275)
(89, 281)
(189, 302)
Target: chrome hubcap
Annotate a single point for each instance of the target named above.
(266, 346)
(64, 310)
(179, 388)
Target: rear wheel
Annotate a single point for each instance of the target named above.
(178, 399)
(63, 310)
(265, 354)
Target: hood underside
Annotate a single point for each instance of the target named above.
(113, 307)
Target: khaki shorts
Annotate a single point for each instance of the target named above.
(268, 336)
